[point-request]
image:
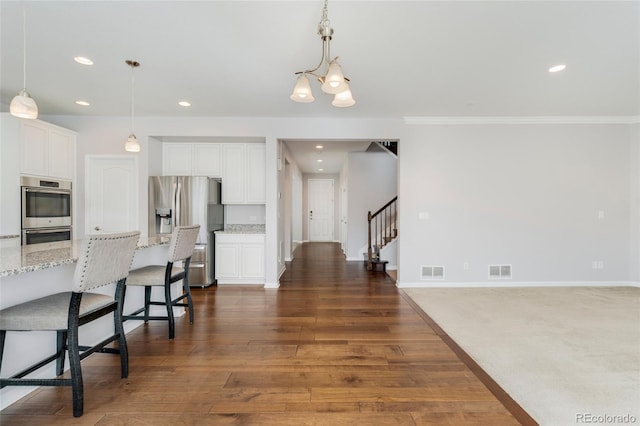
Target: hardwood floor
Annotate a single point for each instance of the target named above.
(334, 345)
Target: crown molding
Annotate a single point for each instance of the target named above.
(623, 119)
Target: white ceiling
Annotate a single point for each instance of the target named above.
(404, 58)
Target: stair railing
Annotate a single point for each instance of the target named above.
(382, 229)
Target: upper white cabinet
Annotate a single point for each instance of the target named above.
(256, 171)
(207, 159)
(243, 173)
(46, 150)
(233, 174)
(191, 159)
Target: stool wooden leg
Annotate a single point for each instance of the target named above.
(61, 345)
(77, 388)
(169, 304)
(147, 302)
(3, 336)
(119, 327)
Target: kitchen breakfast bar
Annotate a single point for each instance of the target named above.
(33, 271)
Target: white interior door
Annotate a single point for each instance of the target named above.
(111, 194)
(320, 209)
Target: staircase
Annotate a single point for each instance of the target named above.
(383, 229)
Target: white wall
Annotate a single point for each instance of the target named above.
(634, 195)
(372, 182)
(528, 195)
(524, 194)
(10, 220)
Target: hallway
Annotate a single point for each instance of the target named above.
(334, 345)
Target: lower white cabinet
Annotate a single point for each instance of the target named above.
(239, 258)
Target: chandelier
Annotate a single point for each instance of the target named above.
(332, 80)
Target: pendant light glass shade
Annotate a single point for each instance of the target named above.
(132, 144)
(343, 99)
(302, 90)
(24, 106)
(334, 80)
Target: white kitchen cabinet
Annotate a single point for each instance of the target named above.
(233, 173)
(177, 159)
(46, 150)
(239, 258)
(207, 159)
(256, 171)
(243, 173)
(191, 159)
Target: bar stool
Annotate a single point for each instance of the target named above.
(183, 241)
(103, 259)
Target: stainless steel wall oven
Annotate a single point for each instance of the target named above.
(46, 210)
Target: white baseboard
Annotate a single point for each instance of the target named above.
(284, 268)
(272, 285)
(504, 283)
(392, 267)
(354, 259)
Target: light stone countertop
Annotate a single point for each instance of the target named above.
(242, 229)
(18, 260)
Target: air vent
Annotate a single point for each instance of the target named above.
(430, 272)
(499, 272)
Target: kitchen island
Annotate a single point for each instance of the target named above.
(34, 271)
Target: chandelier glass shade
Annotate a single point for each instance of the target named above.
(23, 105)
(132, 144)
(332, 80)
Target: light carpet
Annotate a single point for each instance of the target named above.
(567, 355)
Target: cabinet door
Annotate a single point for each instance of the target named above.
(177, 159)
(207, 160)
(233, 174)
(252, 261)
(256, 171)
(34, 148)
(227, 260)
(61, 154)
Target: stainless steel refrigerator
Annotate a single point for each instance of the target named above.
(188, 200)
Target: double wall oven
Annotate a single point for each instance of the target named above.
(46, 210)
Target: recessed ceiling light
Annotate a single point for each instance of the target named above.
(557, 68)
(184, 103)
(319, 146)
(321, 170)
(83, 103)
(319, 160)
(82, 60)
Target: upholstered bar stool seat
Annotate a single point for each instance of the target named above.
(152, 275)
(103, 260)
(183, 241)
(50, 312)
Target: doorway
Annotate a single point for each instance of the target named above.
(111, 194)
(321, 209)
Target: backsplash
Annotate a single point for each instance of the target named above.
(253, 214)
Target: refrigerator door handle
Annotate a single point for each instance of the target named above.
(178, 204)
(174, 217)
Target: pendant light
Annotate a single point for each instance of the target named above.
(132, 144)
(23, 105)
(332, 81)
